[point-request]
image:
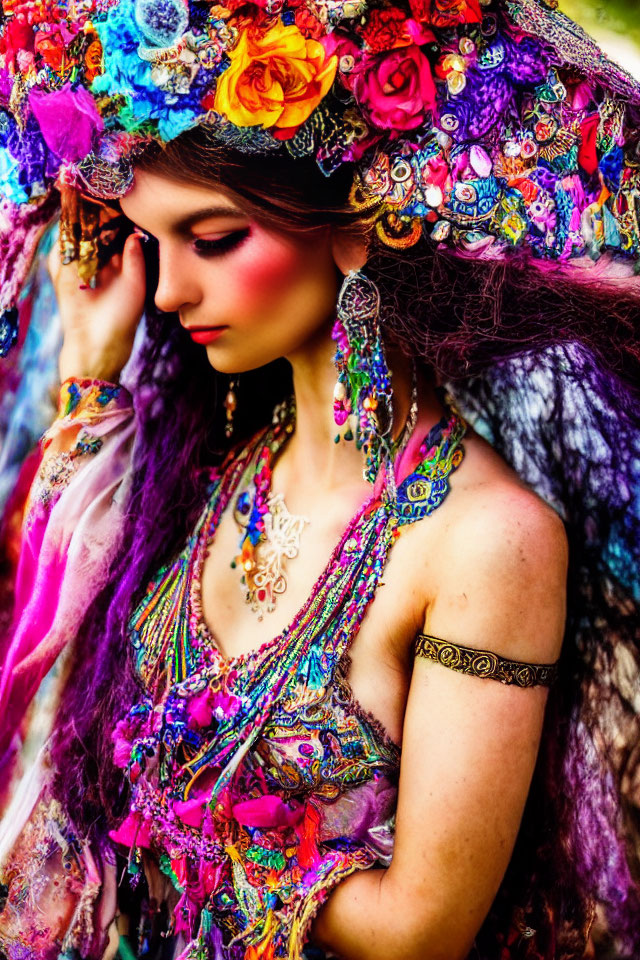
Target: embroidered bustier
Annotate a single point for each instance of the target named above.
(257, 781)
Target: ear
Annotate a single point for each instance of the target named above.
(349, 249)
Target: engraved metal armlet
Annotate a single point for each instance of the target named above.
(484, 663)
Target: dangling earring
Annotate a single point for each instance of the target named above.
(363, 390)
(230, 404)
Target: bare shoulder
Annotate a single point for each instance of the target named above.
(500, 520)
(501, 577)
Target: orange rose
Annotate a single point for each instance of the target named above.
(276, 78)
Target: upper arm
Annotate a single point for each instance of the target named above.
(502, 579)
(470, 744)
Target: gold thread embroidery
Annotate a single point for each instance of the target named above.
(484, 663)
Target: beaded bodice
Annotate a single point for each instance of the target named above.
(258, 780)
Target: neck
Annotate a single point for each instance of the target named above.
(312, 456)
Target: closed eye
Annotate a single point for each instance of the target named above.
(216, 248)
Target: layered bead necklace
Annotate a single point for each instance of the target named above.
(270, 534)
(177, 651)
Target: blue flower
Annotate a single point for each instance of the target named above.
(126, 74)
(10, 187)
(6, 124)
(611, 166)
(177, 121)
(162, 22)
(8, 330)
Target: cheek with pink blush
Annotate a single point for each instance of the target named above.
(264, 269)
(274, 293)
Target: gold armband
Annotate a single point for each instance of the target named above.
(484, 663)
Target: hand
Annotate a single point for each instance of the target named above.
(99, 325)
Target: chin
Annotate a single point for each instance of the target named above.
(232, 362)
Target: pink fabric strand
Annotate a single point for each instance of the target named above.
(65, 556)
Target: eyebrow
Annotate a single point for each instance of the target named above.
(206, 213)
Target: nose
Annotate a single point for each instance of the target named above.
(177, 285)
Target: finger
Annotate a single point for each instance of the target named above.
(133, 266)
(109, 272)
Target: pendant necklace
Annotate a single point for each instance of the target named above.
(270, 534)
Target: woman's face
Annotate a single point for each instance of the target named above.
(248, 293)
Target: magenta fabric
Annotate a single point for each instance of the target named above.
(68, 119)
(69, 539)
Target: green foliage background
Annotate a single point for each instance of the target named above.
(617, 16)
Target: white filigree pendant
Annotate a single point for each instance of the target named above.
(282, 532)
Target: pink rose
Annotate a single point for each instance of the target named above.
(69, 119)
(395, 90)
(192, 811)
(200, 710)
(225, 705)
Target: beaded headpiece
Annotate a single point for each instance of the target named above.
(483, 124)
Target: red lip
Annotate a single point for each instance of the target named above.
(205, 334)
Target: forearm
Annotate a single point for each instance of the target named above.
(370, 915)
(81, 360)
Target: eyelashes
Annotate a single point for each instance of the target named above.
(216, 248)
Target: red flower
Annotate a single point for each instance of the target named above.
(234, 5)
(385, 30)
(308, 24)
(51, 47)
(446, 13)
(17, 37)
(587, 156)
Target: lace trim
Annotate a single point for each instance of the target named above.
(573, 44)
(56, 472)
(484, 663)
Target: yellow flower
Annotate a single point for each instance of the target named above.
(276, 78)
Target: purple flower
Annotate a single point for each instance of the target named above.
(68, 119)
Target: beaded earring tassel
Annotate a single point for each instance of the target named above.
(230, 404)
(363, 391)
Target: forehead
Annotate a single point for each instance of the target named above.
(160, 202)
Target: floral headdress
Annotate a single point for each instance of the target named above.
(483, 124)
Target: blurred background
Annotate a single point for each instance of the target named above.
(614, 23)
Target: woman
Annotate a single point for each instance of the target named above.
(255, 697)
